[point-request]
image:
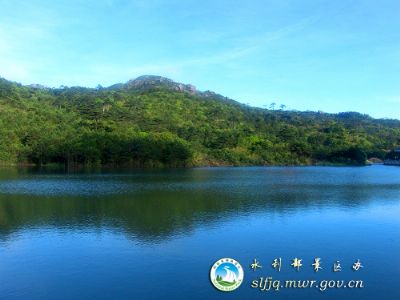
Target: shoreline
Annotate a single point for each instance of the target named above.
(88, 168)
(391, 162)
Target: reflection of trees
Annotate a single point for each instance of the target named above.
(175, 208)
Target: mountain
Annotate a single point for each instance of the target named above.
(150, 81)
(152, 121)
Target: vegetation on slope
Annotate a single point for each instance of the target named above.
(153, 122)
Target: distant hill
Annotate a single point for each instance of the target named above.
(152, 121)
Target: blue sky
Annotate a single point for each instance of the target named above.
(309, 55)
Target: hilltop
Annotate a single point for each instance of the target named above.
(152, 121)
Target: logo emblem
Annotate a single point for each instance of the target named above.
(226, 274)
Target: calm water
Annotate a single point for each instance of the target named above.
(155, 234)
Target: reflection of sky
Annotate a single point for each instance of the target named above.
(221, 271)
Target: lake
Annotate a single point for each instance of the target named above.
(155, 234)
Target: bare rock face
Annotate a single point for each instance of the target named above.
(148, 82)
(151, 81)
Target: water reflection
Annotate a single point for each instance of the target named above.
(155, 205)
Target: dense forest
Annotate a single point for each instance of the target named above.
(154, 122)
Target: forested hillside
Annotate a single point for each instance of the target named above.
(153, 122)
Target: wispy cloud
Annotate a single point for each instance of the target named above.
(21, 59)
(244, 46)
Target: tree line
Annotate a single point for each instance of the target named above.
(160, 126)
